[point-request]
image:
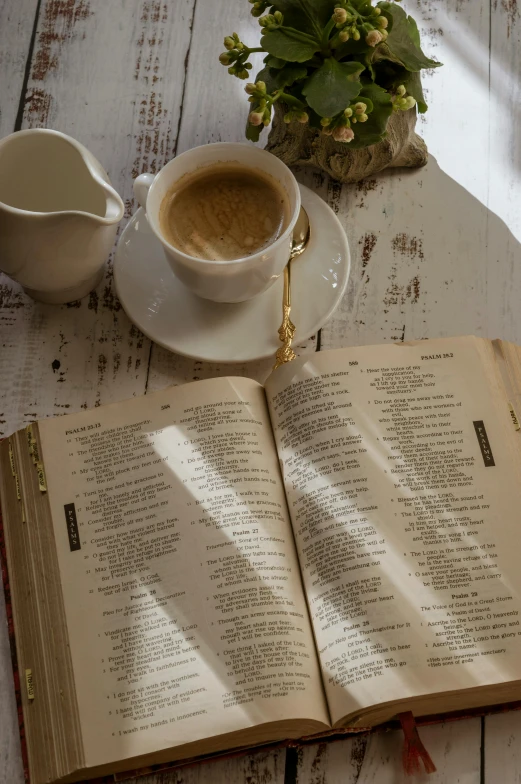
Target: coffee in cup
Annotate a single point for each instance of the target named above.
(204, 191)
(224, 211)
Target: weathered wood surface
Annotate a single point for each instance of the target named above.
(435, 252)
(376, 759)
(502, 761)
(259, 768)
(15, 37)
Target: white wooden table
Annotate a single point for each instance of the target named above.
(435, 252)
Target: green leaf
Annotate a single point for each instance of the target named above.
(369, 65)
(253, 132)
(333, 86)
(289, 74)
(413, 31)
(373, 130)
(289, 44)
(306, 15)
(382, 52)
(352, 47)
(266, 76)
(403, 42)
(274, 62)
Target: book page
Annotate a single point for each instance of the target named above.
(404, 493)
(183, 596)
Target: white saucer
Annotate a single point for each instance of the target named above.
(169, 314)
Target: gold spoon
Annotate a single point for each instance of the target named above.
(299, 243)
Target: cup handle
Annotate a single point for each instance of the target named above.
(142, 186)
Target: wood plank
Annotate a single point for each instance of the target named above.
(503, 748)
(419, 237)
(376, 759)
(171, 369)
(215, 104)
(504, 164)
(457, 34)
(126, 110)
(11, 770)
(338, 762)
(260, 768)
(15, 36)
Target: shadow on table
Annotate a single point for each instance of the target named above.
(428, 260)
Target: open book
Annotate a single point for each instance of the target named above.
(219, 565)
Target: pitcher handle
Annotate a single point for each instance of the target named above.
(142, 185)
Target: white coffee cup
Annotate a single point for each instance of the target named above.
(222, 281)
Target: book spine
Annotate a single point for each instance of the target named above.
(12, 646)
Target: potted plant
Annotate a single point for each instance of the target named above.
(341, 82)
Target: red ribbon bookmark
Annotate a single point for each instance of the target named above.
(413, 748)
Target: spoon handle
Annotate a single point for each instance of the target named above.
(287, 329)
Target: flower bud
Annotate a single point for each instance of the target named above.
(343, 36)
(261, 86)
(278, 17)
(400, 90)
(243, 74)
(303, 117)
(255, 118)
(356, 35)
(401, 104)
(250, 88)
(376, 11)
(288, 117)
(348, 112)
(232, 70)
(384, 34)
(363, 117)
(343, 134)
(229, 43)
(225, 58)
(360, 107)
(270, 22)
(340, 16)
(373, 38)
(325, 121)
(382, 21)
(409, 102)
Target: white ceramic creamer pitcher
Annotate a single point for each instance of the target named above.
(58, 215)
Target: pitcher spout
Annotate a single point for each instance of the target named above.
(114, 207)
(58, 214)
(46, 173)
